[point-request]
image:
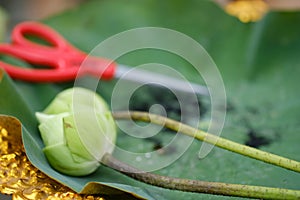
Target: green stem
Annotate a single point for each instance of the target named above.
(211, 139)
(203, 186)
(200, 186)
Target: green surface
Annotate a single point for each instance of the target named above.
(258, 62)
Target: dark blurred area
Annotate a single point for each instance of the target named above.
(17, 11)
(35, 9)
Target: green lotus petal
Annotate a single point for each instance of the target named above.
(60, 158)
(51, 128)
(42, 117)
(110, 132)
(73, 141)
(92, 132)
(76, 98)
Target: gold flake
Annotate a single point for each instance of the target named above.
(21, 179)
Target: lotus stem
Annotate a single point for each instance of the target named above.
(210, 138)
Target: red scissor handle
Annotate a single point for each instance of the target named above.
(44, 32)
(66, 62)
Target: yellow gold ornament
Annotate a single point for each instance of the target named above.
(21, 179)
(247, 10)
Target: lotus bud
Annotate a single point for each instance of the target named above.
(77, 129)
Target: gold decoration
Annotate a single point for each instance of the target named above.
(247, 10)
(21, 179)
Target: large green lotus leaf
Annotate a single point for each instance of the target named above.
(110, 182)
(259, 65)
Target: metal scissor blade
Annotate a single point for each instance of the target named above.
(146, 77)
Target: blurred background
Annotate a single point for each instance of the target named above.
(262, 47)
(14, 11)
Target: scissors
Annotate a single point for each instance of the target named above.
(64, 60)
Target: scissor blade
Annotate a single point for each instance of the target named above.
(146, 77)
